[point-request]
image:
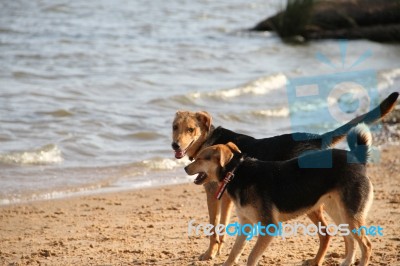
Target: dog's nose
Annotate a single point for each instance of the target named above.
(175, 146)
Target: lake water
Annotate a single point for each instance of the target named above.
(88, 89)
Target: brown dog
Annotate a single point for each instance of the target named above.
(192, 132)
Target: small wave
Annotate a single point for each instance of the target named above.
(278, 112)
(145, 135)
(50, 195)
(163, 163)
(58, 113)
(26, 74)
(259, 86)
(7, 30)
(57, 8)
(48, 154)
(182, 100)
(388, 78)
(256, 115)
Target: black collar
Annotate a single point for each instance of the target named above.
(229, 170)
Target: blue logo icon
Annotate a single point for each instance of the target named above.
(322, 103)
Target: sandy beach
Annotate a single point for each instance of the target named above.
(88, 94)
(150, 227)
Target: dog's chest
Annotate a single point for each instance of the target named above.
(247, 212)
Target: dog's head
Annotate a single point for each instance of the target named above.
(189, 131)
(210, 161)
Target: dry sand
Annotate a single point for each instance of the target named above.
(149, 227)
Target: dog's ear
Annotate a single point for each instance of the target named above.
(225, 155)
(179, 112)
(205, 119)
(233, 147)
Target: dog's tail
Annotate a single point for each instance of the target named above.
(387, 105)
(359, 140)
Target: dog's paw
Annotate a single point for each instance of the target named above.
(210, 253)
(311, 262)
(346, 263)
(207, 256)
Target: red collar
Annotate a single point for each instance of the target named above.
(228, 178)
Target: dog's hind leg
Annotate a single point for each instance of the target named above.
(317, 217)
(226, 209)
(350, 251)
(336, 211)
(214, 207)
(357, 221)
(363, 241)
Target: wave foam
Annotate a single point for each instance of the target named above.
(259, 86)
(164, 163)
(278, 112)
(48, 154)
(388, 78)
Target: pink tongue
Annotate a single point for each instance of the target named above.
(179, 154)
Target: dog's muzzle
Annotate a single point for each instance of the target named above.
(200, 177)
(179, 153)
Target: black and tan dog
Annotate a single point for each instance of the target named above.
(271, 192)
(192, 132)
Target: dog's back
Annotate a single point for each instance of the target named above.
(300, 182)
(290, 187)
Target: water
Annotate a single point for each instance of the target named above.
(88, 90)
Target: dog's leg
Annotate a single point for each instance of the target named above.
(226, 209)
(364, 243)
(259, 248)
(356, 221)
(362, 239)
(238, 247)
(366, 248)
(336, 211)
(214, 207)
(317, 217)
(350, 251)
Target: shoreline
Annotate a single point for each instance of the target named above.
(150, 227)
(110, 185)
(82, 192)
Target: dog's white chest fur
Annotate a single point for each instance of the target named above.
(247, 213)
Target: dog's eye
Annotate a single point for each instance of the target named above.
(175, 127)
(190, 130)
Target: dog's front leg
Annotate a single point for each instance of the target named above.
(259, 248)
(214, 207)
(240, 242)
(226, 209)
(237, 249)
